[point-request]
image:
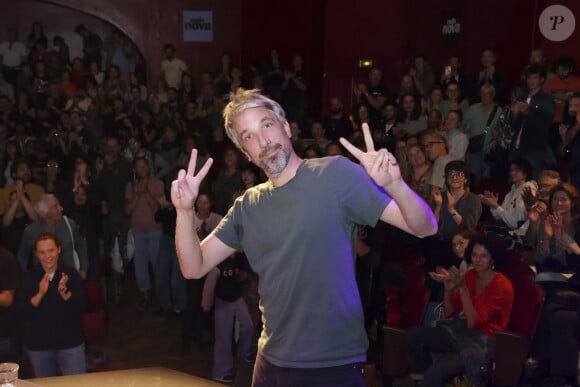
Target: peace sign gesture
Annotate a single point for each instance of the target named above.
(185, 188)
(381, 165)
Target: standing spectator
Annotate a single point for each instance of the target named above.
(37, 35)
(537, 111)
(223, 290)
(92, 46)
(274, 76)
(222, 78)
(374, 95)
(453, 99)
(479, 121)
(19, 214)
(170, 286)
(61, 50)
(410, 115)
(50, 304)
(51, 219)
(20, 170)
(171, 67)
(194, 318)
(336, 124)
(456, 139)
(452, 73)
(422, 75)
(489, 74)
(563, 86)
(295, 88)
(142, 197)
(227, 182)
(13, 54)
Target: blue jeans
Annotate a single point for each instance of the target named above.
(224, 313)
(146, 249)
(70, 361)
(169, 282)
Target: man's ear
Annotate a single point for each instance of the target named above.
(287, 129)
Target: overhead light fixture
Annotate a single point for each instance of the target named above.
(363, 63)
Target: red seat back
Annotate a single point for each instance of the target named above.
(94, 296)
(528, 296)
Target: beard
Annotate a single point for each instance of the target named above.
(275, 163)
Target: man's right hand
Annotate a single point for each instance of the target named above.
(185, 188)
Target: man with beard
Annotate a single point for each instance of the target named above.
(298, 231)
(20, 170)
(374, 95)
(336, 124)
(562, 86)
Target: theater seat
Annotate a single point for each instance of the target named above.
(412, 300)
(512, 346)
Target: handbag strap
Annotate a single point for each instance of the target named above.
(72, 238)
(490, 117)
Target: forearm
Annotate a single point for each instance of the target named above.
(188, 245)
(448, 307)
(532, 234)
(9, 215)
(37, 299)
(29, 210)
(6, 298)
(468, 308)
(416, 214)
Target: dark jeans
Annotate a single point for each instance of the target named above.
(9, 350)
(195, 320)
(268, 375)
(424, 340)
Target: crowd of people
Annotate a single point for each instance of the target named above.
(103, 146)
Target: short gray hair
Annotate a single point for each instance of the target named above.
(242, 100)
(40, 206)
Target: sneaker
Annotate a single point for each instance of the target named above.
(223, 379)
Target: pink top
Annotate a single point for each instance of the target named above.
(143, 215)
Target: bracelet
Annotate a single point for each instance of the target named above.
(453, 214)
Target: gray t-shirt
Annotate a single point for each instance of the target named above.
(300, 239)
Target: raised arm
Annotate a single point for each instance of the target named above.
(195, 259)
(407, 210)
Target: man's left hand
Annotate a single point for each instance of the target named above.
(381, 165)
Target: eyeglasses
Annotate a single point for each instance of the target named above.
(458, 244)
(52, 165)
(455, 174)
(431, 143)
(544, 185)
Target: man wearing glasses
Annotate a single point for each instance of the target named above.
(437, 151)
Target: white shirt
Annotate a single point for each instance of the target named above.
(458, 142)
(513, 209)
(12, 56)
(173, 70)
